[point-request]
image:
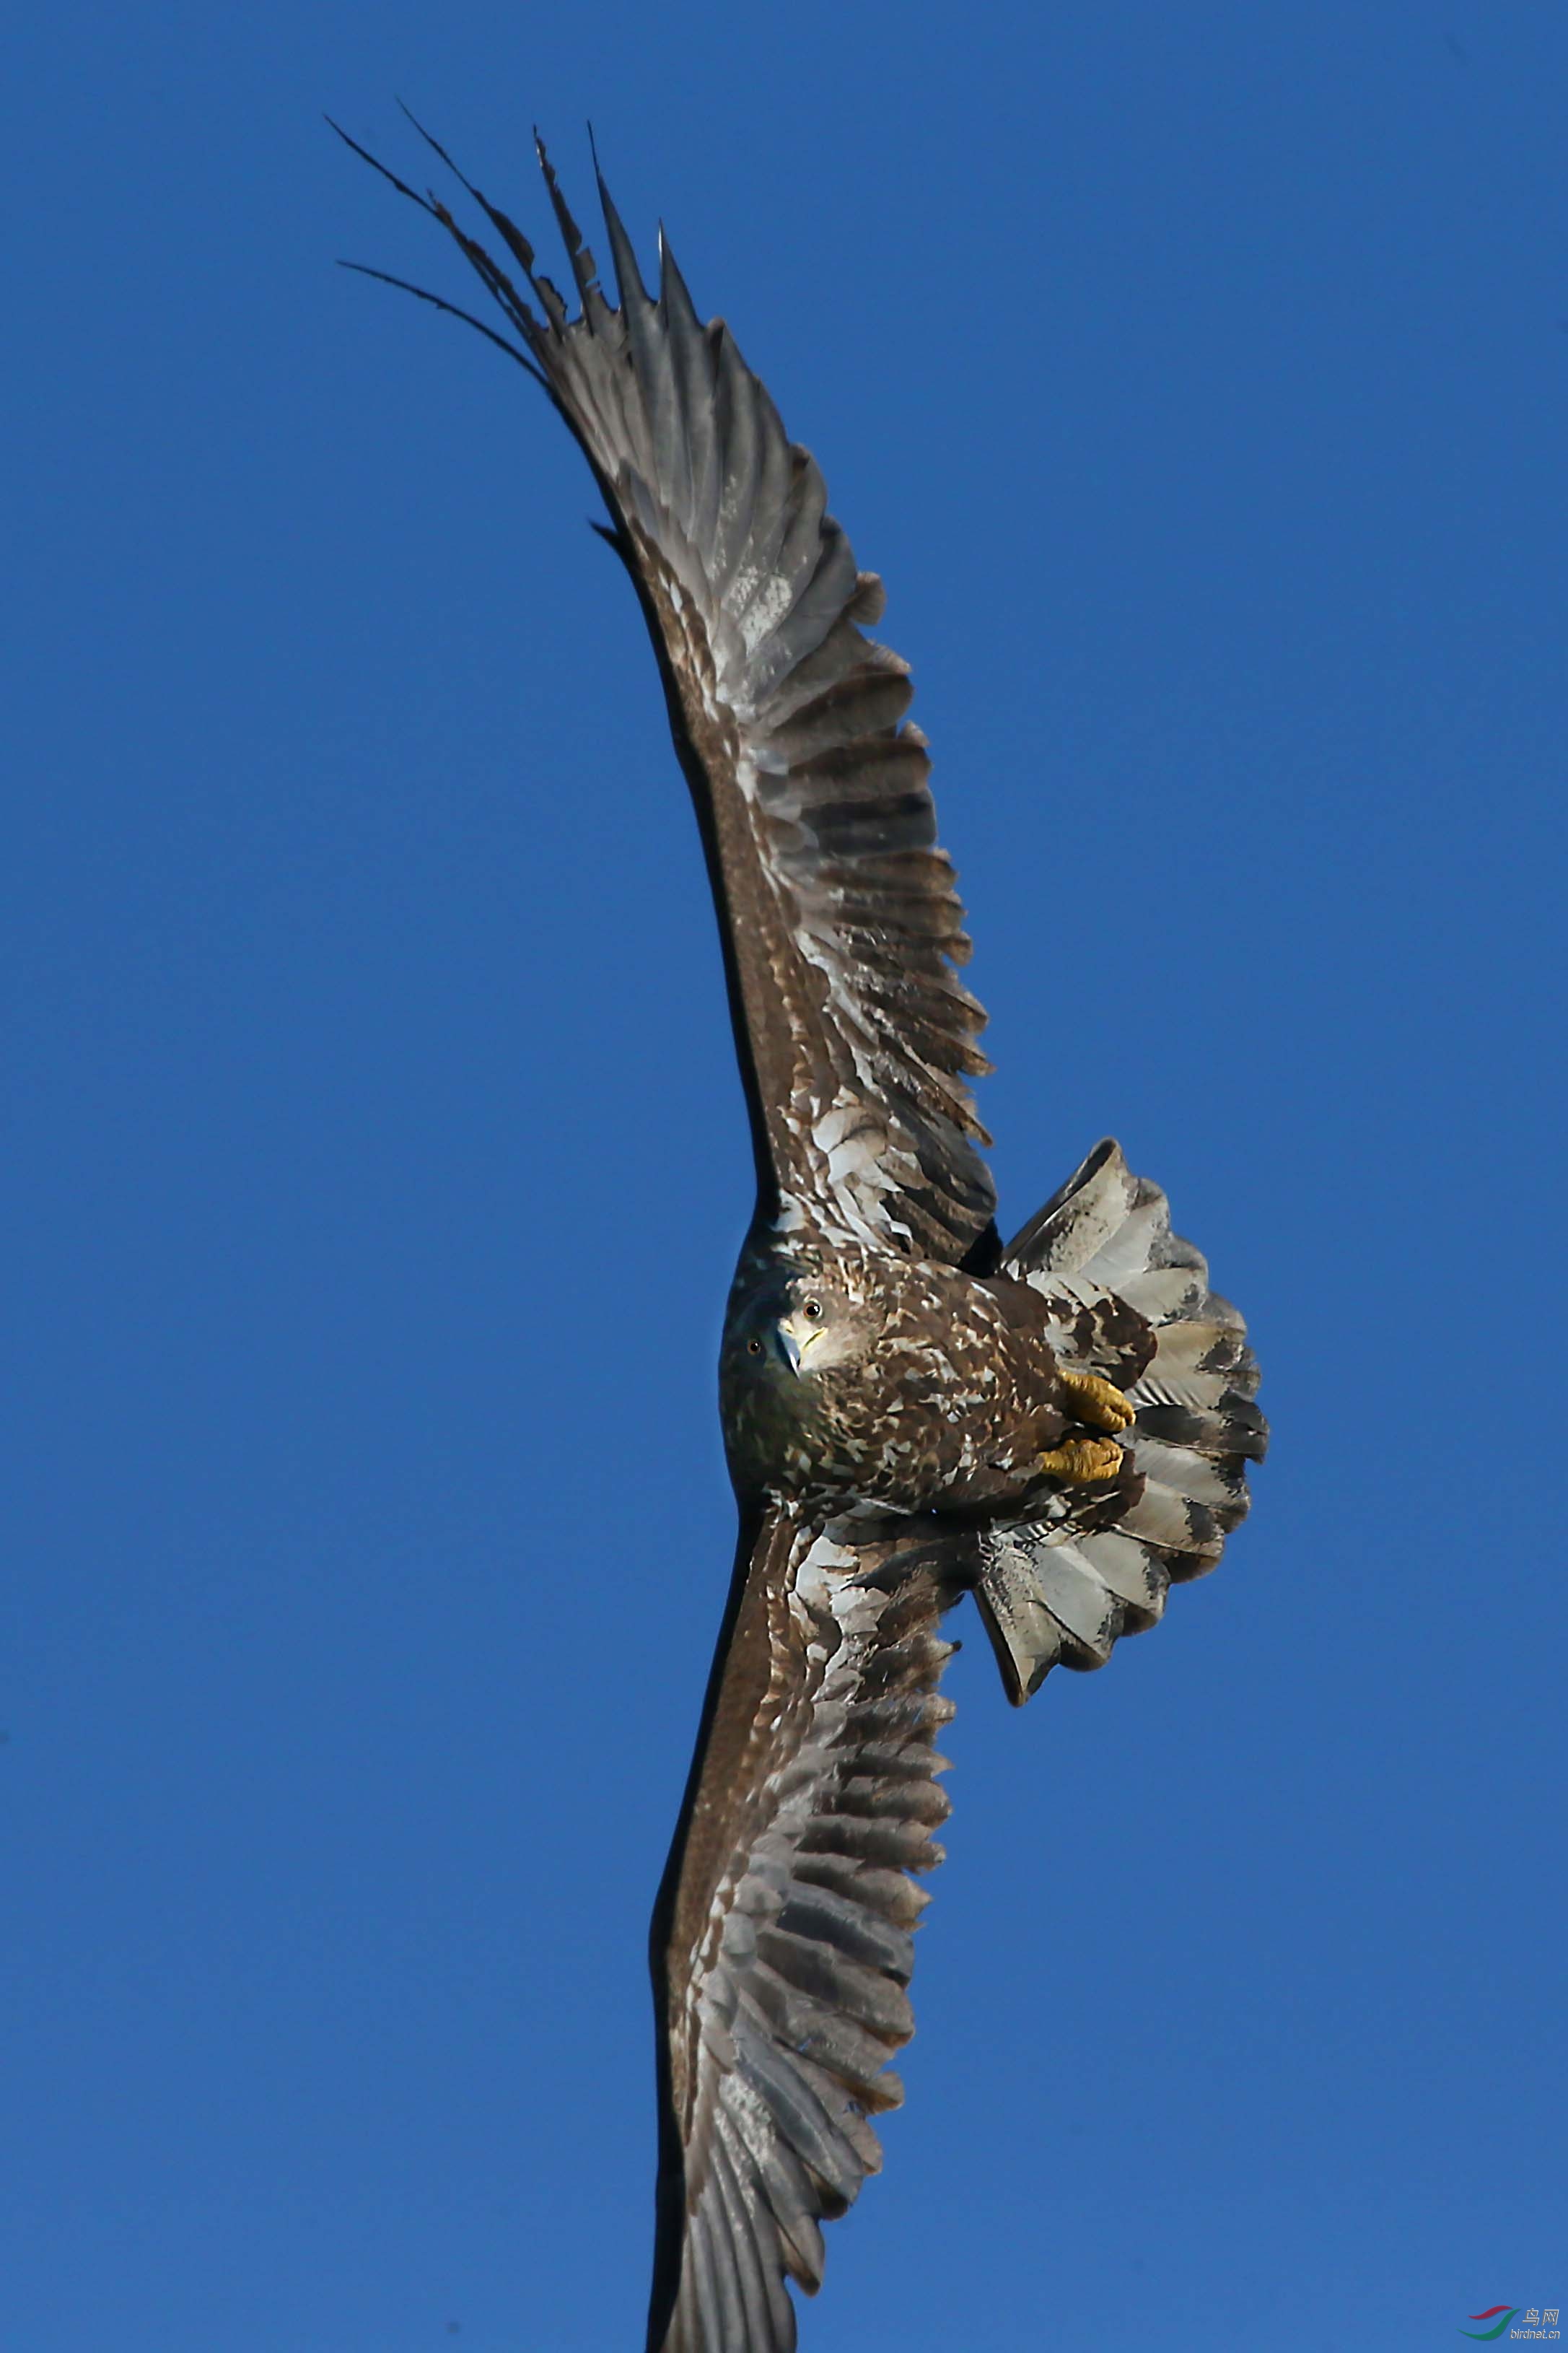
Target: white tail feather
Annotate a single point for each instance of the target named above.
(1131, 1301)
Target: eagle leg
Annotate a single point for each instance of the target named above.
(1091, 1399)
(1082, 1460)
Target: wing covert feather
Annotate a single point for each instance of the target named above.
(781, 1939)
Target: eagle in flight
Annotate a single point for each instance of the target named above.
(914, 1410)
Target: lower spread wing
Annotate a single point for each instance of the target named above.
(839, 920)
(782, 1937)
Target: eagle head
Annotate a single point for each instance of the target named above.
(794, 1338)
(802, 1323)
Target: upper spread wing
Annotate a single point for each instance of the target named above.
(840, 923)
(781, 1938)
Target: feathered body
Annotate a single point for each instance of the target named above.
(922, 1388)
(908, 1407)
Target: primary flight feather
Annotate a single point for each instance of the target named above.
(912, 1410)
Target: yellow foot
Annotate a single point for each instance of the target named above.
(1091, 1399)
(1081, 1459)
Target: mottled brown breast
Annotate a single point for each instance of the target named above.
(948, 1403)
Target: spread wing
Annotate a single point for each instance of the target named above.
(782, 1936)
(838, 911)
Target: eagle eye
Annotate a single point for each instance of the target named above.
(754, 1347)
(812, 1307)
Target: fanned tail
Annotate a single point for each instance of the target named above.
(1129, 1301)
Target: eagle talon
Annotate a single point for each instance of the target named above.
(1081, 1460)
(1095, 1401)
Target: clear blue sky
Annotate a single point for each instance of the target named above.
(374, 1161)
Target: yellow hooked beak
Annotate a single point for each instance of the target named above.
(795, 1334)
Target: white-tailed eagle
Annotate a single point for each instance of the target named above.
(914, 1410)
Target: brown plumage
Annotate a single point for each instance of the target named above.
(851, 1375)
(911, 1411)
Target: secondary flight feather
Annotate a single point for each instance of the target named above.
(911, 1411)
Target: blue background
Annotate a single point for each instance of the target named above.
(374, 1160)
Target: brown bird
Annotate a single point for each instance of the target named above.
(912, 1412)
